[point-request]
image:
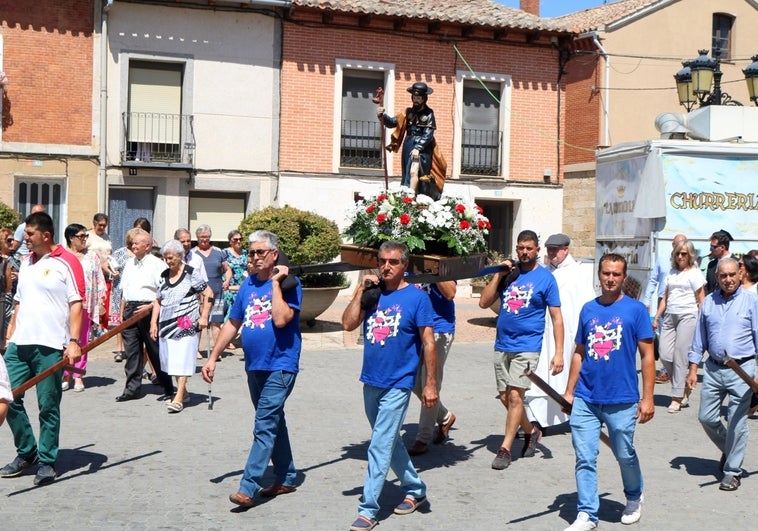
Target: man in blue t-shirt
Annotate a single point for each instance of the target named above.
(602, 386)
(271, 342)
(520, 328)
(397, 328)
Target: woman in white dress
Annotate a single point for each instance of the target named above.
(180, 312)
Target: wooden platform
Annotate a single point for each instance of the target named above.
(445, 267)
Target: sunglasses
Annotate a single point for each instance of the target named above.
(716, 246)
(236, 239)
(81, 236)
(260, 252)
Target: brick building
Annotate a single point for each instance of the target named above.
(48, 152)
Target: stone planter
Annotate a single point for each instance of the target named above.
(316, 301)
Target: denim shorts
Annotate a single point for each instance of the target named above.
(511, 366)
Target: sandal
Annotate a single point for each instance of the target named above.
(674, 407)
(363, 523)
(174, 407)
(409, 504)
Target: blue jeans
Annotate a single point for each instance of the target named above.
(718, 382)
(269, 392)
(586, 421)
(386, 409)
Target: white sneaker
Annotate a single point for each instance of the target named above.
(632, 511)
(582, 523)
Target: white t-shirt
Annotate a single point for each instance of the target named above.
(45, 289)
(682, 286)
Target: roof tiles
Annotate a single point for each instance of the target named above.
(475, 12)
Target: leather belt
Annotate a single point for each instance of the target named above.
(723, 361)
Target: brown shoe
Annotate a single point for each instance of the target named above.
(243, 500)
(418, 448)
(275, 490)
(444, 429)
(662, 377)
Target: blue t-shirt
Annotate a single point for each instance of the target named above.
(444, 310)
(266, 347)
(521, 322)
(392, 343)
(610, 334)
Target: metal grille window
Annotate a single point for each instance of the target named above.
(721, 43)
(360, 139)
(43, 192)
(481, 136)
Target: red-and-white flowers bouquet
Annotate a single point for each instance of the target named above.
(451, 226)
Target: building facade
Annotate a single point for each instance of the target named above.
(498, 101)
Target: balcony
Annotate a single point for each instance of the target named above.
(361, 144)
(480, 152)
(158, 140)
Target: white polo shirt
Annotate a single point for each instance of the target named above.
(46, 287)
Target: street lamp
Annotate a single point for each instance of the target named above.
(693, 82)
(751, 77)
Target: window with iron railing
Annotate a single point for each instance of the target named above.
(158, 138)
(480, 152)
(361, 144)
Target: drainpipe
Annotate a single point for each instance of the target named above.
(606, 85)
(102, 202)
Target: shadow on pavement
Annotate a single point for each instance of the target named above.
(70, 460)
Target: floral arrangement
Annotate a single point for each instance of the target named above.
(450, 226)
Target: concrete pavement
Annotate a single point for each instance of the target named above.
(132, 466)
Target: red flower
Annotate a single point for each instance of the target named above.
(481, 224)
(460, 208)
(381, 198)
(405, 219)
(370, 209)
(464, 224)
(479, 209)
(381, 218)
(407, 200)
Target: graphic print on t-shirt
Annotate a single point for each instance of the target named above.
(383, 324)
(517, 297)
(604, 339)
(258, 311)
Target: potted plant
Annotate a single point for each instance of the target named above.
(450, 226)
(306, 238)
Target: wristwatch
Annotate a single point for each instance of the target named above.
(73, 340)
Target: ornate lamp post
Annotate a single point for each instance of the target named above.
(751, 77)
(693, 83)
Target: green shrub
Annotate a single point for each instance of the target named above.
(9, 218)
(305, 237)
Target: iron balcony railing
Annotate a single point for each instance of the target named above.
(480, 153)
(158, 139)
(361, 144)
